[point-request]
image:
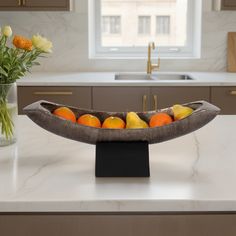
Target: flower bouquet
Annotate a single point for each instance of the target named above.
(16, 59)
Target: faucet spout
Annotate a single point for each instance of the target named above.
(150, 65)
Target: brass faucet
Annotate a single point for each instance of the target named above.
(150, 66)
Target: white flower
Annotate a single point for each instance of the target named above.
(7, 31)
(42, 43)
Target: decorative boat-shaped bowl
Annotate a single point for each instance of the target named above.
(41, 113)
(120, 152)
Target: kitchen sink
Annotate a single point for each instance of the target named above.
(153, 77)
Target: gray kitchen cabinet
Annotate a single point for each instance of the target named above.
(162, 97)
(222, 5)
(73, 96)
(229, 3)
(75, 224)
(224, 98)
(9, 3)
(113, 98)
(35, 5)
(121, 98)
(145, 98)
(128, 98)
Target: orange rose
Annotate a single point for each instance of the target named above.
(22, 43)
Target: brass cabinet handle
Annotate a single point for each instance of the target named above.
(233, 92)
(155, 102)
(52, 93)
(144, 102)
(19, 2)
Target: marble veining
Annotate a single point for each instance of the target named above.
(197, 145)
(45, 172)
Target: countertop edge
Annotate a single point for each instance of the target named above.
(108, 79)
(157, 206)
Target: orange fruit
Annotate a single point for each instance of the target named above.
(65, 113)
(89, 120)
(113, 123)
(160, 119)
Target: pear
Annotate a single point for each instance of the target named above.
(133, 121)
(181, 112)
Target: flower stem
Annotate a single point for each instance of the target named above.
(6, 123)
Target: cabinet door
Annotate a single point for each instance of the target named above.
(225, 99)
(10, 3)
(162, 97)
(120, 98)
(229, 3)
(46, 4)
(74, 96)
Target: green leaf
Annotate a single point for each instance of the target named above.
(3, 72)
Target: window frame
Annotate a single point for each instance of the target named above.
(192, 50)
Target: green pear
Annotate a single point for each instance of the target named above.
(133, 121)
(181, 112)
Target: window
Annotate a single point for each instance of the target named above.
(163, 24)
(111, 25)
(123, 28)
(144, 24)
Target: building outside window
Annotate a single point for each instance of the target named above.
(144, 25)
(163, 25)
(111, 24)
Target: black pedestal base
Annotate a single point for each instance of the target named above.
(122, 159)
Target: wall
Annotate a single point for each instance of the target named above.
(69, 33)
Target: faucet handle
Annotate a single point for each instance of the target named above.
(152, 45)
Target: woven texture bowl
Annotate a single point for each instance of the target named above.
(41, 113)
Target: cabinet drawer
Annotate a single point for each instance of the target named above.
(34, 5)
(73, 96)
(47, 5)
(168, 96)
(9, 3)
(224, 98)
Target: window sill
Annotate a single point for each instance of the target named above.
(108, 57)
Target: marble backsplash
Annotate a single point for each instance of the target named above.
(69, 33)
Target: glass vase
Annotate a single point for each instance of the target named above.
(8, 114)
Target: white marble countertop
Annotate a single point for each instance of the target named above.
(47, 173)
(108, 79)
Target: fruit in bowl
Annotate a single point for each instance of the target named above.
(160, 119)
(133, 121)
(89, 120)
(113, 122)
(65, 113)
(180, 112)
